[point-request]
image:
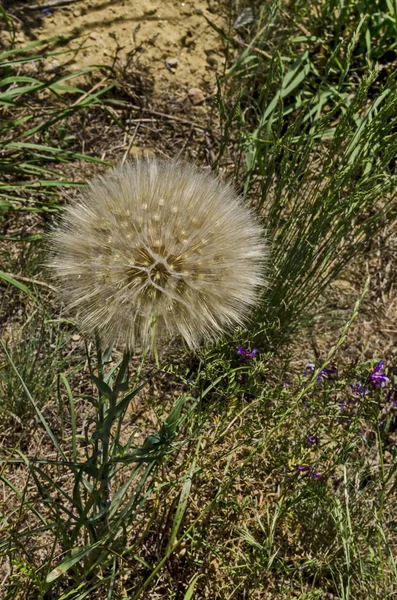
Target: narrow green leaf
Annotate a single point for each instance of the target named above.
(72, 416)
(190, 589)
(183, 500)
(103, 387)
(17, 284)
(73, 558)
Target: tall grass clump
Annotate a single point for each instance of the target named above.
(314, 150)
(36, 351)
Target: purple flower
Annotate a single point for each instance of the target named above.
(312, 439)
(331, 370)
(358, 388)
(246, 353)
(392, 397)
(324, 373)
(309, 369)
(376, 377)
(307, 470)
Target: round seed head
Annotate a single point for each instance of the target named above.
(156, 249)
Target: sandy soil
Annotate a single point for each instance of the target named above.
(172, 38)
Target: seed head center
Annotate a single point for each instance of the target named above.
(154, 267)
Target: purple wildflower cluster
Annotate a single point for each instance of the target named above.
(376, 379)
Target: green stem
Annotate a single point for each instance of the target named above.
(105, 424)
(104, 488)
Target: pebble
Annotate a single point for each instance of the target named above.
(148, 12)
(212, 62)
(52, 65)
(171, 63)
(196, 95)
(139, 152)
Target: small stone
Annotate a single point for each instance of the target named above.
(245, 18)
(93, 35)
(52, 65)
(76, 337)
(149, 11)
(139, 152)
(342, 285)
(196, 95)
(212, 62)
(171, 63)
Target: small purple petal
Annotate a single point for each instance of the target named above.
(379, 366)
(312, 439)
(377, 378)
(308, 470)
(309, 369)
(358, 388)
(246, 353)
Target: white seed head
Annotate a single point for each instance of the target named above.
(155, 249)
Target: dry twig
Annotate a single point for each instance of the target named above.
(29, 280)
(155, 113)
